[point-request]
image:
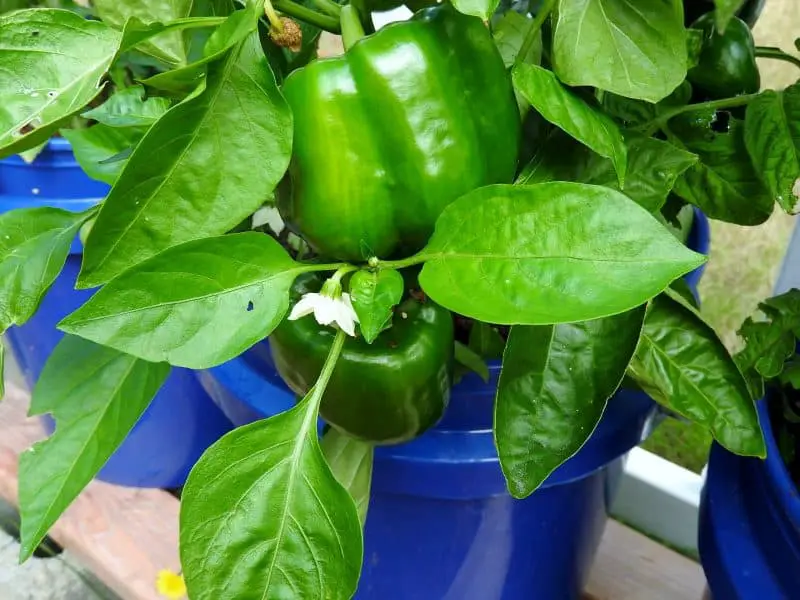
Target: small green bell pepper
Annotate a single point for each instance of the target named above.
(727, 65)
(386, 392)
(390, 133)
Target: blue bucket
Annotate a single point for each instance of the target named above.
(182, 421)
(441, 524)
(749, 538)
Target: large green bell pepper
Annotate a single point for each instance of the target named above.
(727, 65)
(387, 135)
(386, 392)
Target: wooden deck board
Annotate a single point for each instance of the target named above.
(125, 536)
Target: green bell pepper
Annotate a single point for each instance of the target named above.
(390, 133)
(386, 392)
(727, 65)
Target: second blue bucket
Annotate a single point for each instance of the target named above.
(441, 524)
(182, 421)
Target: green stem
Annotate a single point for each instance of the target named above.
(375, 262)
(651, 127)
(342, 271)
(530, 37)
(777, 54)
(315, 395)
(312, 17)
(328, 7)
(351, 25)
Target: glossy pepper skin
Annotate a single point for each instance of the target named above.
(727, 64)
(387, 135)
(386, 392)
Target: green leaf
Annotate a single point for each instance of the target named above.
(634, 49)
(168, 194)
(168, 47)
(236, 28)
(653, 167)
(266, 491)
(554, 386)
(476, 8)
(53, 65)
(509, 35)
(723, 184)
(34, 245)
(772, 137)
(96, 395)
(470, 359)
(549, 253)
(685, 367)
(128, 108)
(94, 147)
(769, 341)
(374, 294)
(726, 9)
(486, 341)
(195, 305)
(569, 112)
(350, 460)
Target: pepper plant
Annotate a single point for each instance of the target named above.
(472, 183)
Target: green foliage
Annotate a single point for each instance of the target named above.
(570, 274)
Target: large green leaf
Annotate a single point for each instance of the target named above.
(569, 112)
(509, 35)
(634, 49)
(99, 149)
(169, 193)
(129, 108)
(723, 184)
(168, 47)
(685, 367)
(236, 28)
(195, 305)
(554, 386)
(53, 64)
(350, 461)
(374, 294)
(262, 516)
(96, 395)
(772, 137)
(549, 253)
(34, 245)
(653, 167)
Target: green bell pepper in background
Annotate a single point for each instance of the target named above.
(387, 135)
(386, 392)
(727, 65)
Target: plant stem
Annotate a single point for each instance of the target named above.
(342, 271)
(651, 127)
(315, 395)
(352, 28)
(397, 264)
(530, 37)
(328, 7)
(777, 54)
(312, 17)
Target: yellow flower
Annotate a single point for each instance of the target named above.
(171, 584)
